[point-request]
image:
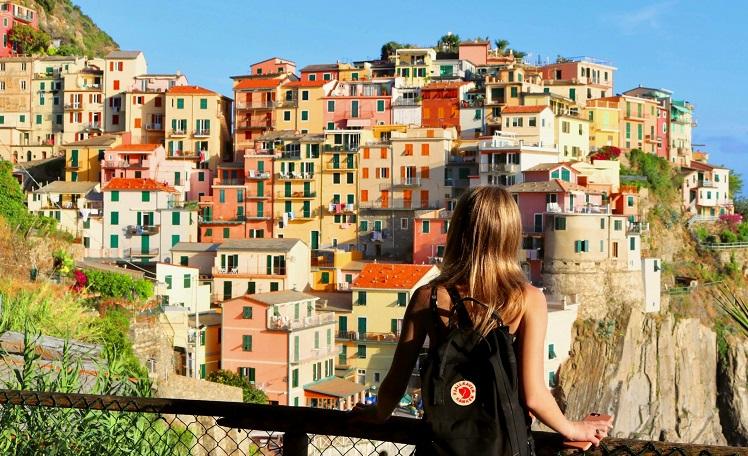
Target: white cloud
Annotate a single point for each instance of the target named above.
(643, 19)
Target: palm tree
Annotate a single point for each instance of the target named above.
(450, 41)
(501, 46)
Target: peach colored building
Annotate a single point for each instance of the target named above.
(301, 107)
(430, 235)
(475, 52)
(358, 104)
(580, 79)
(273, 65)
(256, 98)
(282, 344)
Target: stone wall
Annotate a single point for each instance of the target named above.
(733, 391)
(153, 347)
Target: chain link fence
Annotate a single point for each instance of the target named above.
(34, 423)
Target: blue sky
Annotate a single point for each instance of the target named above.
(692, 47)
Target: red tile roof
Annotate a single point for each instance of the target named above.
(189, 90)
(136, 147)
(120, 183)
(445, 85)
(319, 83)
(699, 166)
(258, 84)
(391, 276)
(523, 109)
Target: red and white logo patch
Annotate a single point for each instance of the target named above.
(463, 392)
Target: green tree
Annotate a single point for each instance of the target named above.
(736, 183)
(389, 49)
(449, 42)
(252, 394)
(28, 40)
(501, 46)
(12, 207)
(741, 206)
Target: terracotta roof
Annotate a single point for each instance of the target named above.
(270, 83)
(699, 166)
(136, 147)
(280, 297)
(551, 186)
(103, 140)
(523, 109)
(121, 183)
(307, 83)
(190, 90)
(336, 387)
(321, 67)
(445, 85)
(260, 244)
(123, 54)
(391, 276)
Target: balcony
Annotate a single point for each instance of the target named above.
(74, 106)
(402, 182)
(154, 127)
(255, 196)
(184, 154)
(401, 102)
(296, 195)
(341, 208)
(179, 132)
(92, 126)
(229, 181)
(299, 215)
(231, 220)
(119, 164)
(636, 227)
(234, 271)
(296, 176)
(245, 105)
(591, 209)
(192, 426)
(388, 338)
(282, 323)
(316, 353)
(332, 148)
(140, 253)
(142, 230)
(532, 254)
(74, 164)
(341, 165)
(202, 133)
(255, 217)
(398, 205)
(254, 174)
(288, 103)
(501, 168)
(706, 183)
(290, 155)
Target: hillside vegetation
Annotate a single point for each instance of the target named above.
(61, 19)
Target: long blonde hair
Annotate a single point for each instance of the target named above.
(481, 254)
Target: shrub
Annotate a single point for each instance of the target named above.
(607, 153)
(742, 230)
(701, 233)
(252, 394)
(116, 285)
(728, 236)
(731, 219)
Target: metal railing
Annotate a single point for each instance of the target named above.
(86, 424)
(280, 322)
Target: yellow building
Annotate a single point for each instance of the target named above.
(301, 106)
(369, 334)
(83, 103)
(197, 125)
(83, 158)
(335, 269)
(605, 130)
(145, 116)
(572, 137)
(415, 66)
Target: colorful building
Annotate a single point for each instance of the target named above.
(83, 158)
(198, 123)
(580, 78)
(282, 344)
(706, 189)
(70, 203)
(368, 335)
(502, 159)
(300, 109)
(120, 71)
(531, 125)
(414, 67)
(273, 65)
(83, 102)
(430, 235)
(256, 98)
(442, 102)
(12, 14)
(358, 104)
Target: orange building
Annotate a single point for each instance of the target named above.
(256, 99)
(430, 235)
(440, 106)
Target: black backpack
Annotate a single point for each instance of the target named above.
(470, 391)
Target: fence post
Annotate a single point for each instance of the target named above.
(295, 443)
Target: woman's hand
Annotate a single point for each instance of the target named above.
(367, 414)
(588, 430)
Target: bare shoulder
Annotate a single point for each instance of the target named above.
(534, 300)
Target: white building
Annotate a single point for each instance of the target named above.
(562, 313)
(70, 203)
(651, 277)
(503, 158)
(143, 219)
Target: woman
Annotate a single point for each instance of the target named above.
(480, 261)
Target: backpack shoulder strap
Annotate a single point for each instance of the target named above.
(458, 305)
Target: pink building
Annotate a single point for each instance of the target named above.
(430, 236)
(358, 104)
(273, 65)
(12, 14)
(321, 72)
(476, 52)
(148, 161)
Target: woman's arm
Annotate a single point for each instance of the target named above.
(538, 398)
(415, 327)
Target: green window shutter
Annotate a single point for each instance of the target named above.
(39, 116)
(174, 239)
(202, 338)
(325, 277)
(145, 197)
(184, 260)
(380, 105)
(426, 226)
(632, 243)
(180, 103)
(402, 299)
(393, 326)
(168, 281)
(251, 374)
(203, 103)
(175, 218)
(268, 264)
(187, 281)
(114, 196)
(361, 298)
(295, 378)
(223, 261)
(316, 340)
(246, 342)
(114, 218)
(247, 312)
(202, 371)
(273, 286)
(226, 233)
(304, 115)
(577, 246)
(361, 352)
(114, 241)
(222, 196)
(251, 288)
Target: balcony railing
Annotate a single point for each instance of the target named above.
(332, 165)
(399, 205)
(288, 103)
(140, 253)
(317, 353)
(142, 230)
(295, 176)
(154, 127)
(368, 336)
(73, 106)
(279, 322)
(255, 104)
(508, 168)
(341, 208)
(296, 195)
(183, 154)
(53, 423)
(400, 101)
(585, 209)
(402, 182)
(202, 132)
(259, 175)
(124, 164)
(178, 132)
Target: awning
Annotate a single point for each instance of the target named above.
(333, 388)
(358, 123)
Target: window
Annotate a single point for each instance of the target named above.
(273, 286)
(559, 223)
(330, 106)
(581, 246)
(551, 379)
(247, 312)
(325, 277)
(632, 243)
(247, 343)
(425, 226)
(174, 239)
(602, 223)
(617, 225)
(168, 280)
(380, 105)
(361, 298)
(184, 260)
(630, 201)
(361, 352)
(114, 241)
(145, 196)
(402, 299)
(203, 103)
(175, 218)
(202, 338)
(403, 223)
(304, 115)
(305, 95)
(180, 103)
(114, 218)
(295, 378)
(287, 116)
(551, 352)
(364, 225)
(187, 281)
(514, 92)
(226, 233)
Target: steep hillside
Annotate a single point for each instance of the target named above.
(63, 20)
